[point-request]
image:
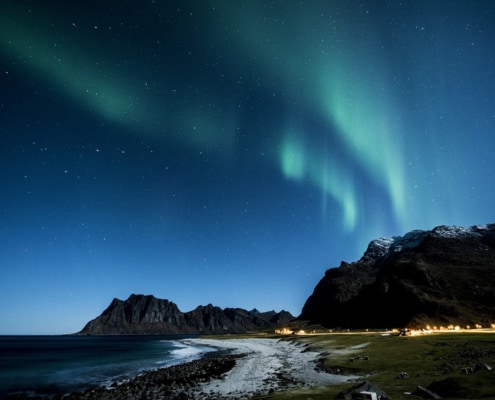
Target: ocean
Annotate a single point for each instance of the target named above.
(64, 364)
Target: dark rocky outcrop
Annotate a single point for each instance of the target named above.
(141, 314)
(439, 277)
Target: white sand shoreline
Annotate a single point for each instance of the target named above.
(270, 364)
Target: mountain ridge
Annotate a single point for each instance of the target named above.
(146, 314)
(445, 276)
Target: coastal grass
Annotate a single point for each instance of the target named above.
(398, 364)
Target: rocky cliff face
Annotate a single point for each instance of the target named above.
(440, 277)
(141, 314)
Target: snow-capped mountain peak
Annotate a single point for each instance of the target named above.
(384, 246)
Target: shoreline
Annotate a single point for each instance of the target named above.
(269, 365)
(172, 382)
(236, 369)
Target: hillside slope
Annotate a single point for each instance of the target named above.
(445, 276)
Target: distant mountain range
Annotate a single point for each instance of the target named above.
(141, 314)
(441, 277)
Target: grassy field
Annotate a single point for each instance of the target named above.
(436, 357)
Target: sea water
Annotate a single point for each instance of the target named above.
(63, 364)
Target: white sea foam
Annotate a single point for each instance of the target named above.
(182, 351)
(75, 363)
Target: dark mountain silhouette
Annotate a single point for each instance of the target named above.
(141, 314)
(273, 317)
(445, 276)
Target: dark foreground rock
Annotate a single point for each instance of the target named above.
(176, 382)
(443, 277)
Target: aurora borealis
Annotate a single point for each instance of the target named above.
(229, 152)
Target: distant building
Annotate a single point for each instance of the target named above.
(284, 331)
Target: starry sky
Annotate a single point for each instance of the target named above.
(229, 152)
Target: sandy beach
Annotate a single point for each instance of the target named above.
(269, 364)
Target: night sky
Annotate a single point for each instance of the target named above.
(229, 152)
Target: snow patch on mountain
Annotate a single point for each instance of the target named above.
(459, 231)
(384, 246)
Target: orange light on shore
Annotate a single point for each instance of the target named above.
(284, 331)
